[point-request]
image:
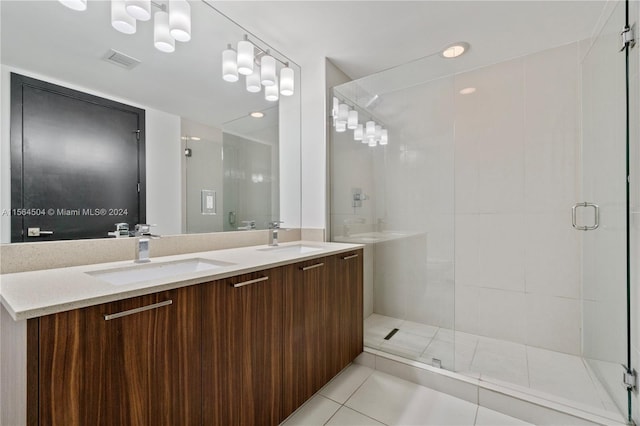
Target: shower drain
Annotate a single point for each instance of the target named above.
(391, 333)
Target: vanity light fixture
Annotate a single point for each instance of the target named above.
(456, 49)
(162, 39)
(370, 129)
(180, 20)
(271, 93)
(343, 116)
(120, 19)
(267, 70)
(167, 28)
(287, 81)
(229, 65)
(75, 4)
(253, 81)
(341, 126)
(139, 9)
(260, 68)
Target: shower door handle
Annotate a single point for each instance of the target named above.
(596, 210)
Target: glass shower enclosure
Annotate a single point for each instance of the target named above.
(494, 220)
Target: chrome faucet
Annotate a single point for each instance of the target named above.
(273, 233)
(143, 232)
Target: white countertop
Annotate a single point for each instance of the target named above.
(32, 294)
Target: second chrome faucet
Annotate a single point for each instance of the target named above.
(273, 232)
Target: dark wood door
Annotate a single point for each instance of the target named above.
(305, 331)
(242, 358)
(77, 162)
(139, 369)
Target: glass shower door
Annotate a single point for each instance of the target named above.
(602, 211)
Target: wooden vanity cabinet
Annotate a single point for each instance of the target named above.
(323, 329)
(241, 349)
(246, 350)
(130, 362)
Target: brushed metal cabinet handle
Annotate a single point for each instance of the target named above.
(257, 280)
(353, 256)
(306, 268)
(108, 317)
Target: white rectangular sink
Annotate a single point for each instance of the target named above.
(154, 271)
(296, 248)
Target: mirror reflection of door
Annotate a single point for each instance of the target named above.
(77, 163)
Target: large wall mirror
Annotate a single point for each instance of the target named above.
(216, 157)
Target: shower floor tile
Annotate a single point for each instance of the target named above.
(544, 372)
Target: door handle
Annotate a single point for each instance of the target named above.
(36, 232)
(596, 223)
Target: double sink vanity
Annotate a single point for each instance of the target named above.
(228, 337)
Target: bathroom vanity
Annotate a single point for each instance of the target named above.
(245, 341)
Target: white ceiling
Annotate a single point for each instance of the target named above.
(360, 37)
(364, 37)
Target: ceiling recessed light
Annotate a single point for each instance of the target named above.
(467, 90)
(257, 114)
(454, 50)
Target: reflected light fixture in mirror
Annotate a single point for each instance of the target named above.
(257, 114)
(260, 69)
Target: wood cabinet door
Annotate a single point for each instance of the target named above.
(242, 350)
(305, 331)
(135, 361)
(349, 275)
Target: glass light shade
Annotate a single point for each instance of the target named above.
(180, 20)
(271, 93)
(343, 112)
(352, 120)
(75, 4)
(384, 137)
(358, 133)
(286, 81)
(268, 70)
(245, 57)
(253, 81)
(229, 65)
(120, 19)
(341, 126)
(139, 9)
(372, 142)
(162, 39)
(378, 133)
(334, 109)
(370, 130)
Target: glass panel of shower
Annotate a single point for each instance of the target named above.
(471, 259)
(398, 200)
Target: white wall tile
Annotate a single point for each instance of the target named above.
(500, 314)
(553, 323)
(501, 251)
(467, 308)
(552, 253)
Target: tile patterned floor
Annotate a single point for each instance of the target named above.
(562, 375)
(362, 396)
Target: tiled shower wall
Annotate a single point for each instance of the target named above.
(517, 264)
